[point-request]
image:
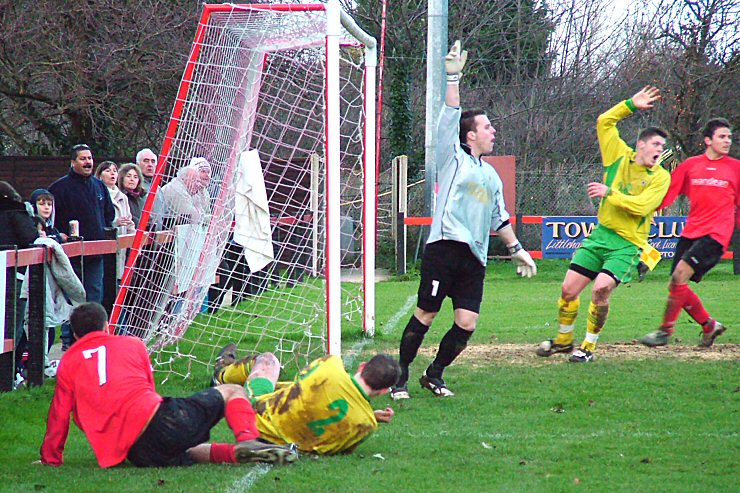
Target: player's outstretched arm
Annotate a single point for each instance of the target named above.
(454, 64)
(644, 99)
(525, 266)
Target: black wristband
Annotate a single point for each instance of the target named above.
(515, 248)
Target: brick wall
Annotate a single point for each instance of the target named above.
(29, 173)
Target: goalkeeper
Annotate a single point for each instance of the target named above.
(470, 206)
(324, 410)
(634, 185)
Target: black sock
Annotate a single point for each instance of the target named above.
(453, 343)
(411, 340)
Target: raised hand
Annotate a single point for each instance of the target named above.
(455, 60)
(645, 98)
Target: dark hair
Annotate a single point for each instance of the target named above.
(44, 196)
(104, 166)
(467, 123)
(86, 318)
(123, 171)
(381, 372)
(649, 132)
(712, 126)
(8, 192)
(75, 150)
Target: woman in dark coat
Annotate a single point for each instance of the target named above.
(17, 230)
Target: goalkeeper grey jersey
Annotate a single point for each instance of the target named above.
(470, 203)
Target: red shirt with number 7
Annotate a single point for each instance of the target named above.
(105, 381)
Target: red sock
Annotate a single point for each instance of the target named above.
(695, 308)
(241, 419)
(222, 453)
(677, 294)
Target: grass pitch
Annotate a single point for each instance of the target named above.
(636, 419)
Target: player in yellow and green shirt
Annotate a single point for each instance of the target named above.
(324, 410)
(634, 185)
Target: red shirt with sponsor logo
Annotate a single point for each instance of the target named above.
(105, 381)
(713, 189)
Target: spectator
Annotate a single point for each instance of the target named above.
(42, 203)
(82, 197)
(107, 172)
(146, 160)
(130, 182)
(184, 200)
(151, 297)
(17, 230)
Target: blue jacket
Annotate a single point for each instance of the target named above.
(85, 199)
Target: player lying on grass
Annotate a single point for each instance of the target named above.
(106, 382)
(711, 181)
(324, 410)
(634, 184)
(470, 207)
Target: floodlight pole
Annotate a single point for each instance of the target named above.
(436, 85)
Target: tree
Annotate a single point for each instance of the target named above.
(104, 73)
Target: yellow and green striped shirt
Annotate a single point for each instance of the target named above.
(324, 410)
(636, 190)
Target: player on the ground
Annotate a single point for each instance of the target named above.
(105, 381)
(634, 184)
(324, 410)
(470, 206)
(711, 181)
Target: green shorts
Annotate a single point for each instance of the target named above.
(606, 251)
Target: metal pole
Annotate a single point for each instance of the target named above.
(436, 85)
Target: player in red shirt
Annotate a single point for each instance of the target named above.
(105, 381)
(711, 181)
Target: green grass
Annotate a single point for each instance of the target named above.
(661, 424)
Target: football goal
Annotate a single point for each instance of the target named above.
(260, 225)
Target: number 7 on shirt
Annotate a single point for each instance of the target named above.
(102, 370)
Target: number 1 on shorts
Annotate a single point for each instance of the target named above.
(435, 287)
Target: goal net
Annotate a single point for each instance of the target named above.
(259, 228)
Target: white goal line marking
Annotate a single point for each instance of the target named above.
(248, 480)
(390, 326)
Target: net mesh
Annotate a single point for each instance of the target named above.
(234, 249)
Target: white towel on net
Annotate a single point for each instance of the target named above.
(252, 214)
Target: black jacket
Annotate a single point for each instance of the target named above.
(85, 199)
(16, 225)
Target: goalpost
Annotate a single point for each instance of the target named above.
(258, 242)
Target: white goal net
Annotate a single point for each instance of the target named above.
(260, 226)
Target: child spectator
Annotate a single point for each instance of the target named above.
(42, 203)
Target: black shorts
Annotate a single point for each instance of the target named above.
(700, 253)
(449, 268)
(179, 424)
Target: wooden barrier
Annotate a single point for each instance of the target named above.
(35, 259)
